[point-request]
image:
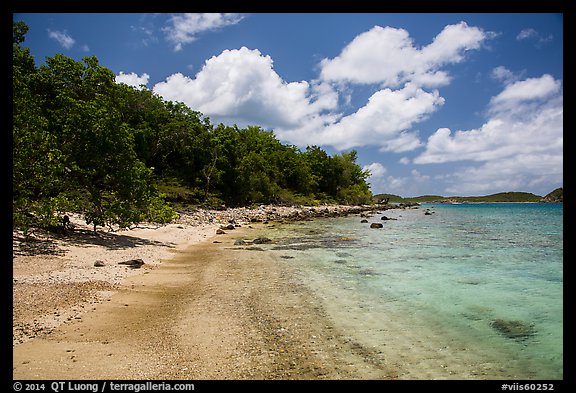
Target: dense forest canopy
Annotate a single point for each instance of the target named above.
(118, 155)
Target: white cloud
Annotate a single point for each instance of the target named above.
(531, 34)
(524, 91)
(240, 86)
(515, 173)
(132, 79)
(62, 38)
(184, 28)
(419, 177)
(522, 140)
(527, 33)
(387, 55)
(503, 74)
(384, 121)
(376, 169)
(379, 182)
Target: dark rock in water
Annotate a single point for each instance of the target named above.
(364, 221)
(513, 328)
(262, 240)
(367, 272)
(376, 225)
(428, 213)
(99, 263)
(239, 242)
(219, 231)
(344, 254)
(133, 263)
(286, 257)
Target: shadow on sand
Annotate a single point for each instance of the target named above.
(47, 243)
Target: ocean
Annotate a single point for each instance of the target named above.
(467, 291)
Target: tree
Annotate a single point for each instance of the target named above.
(37, 162)
(72, 148)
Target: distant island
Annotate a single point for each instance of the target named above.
(556, 196)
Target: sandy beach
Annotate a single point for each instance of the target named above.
(199, 307)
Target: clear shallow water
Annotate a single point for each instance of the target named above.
(484, 281)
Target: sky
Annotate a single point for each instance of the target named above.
(434, 104)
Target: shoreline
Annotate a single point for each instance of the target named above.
(215, 308)
(56, 281)
(199, 308)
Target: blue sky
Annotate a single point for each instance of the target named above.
(448, 104)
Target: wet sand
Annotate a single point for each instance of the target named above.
(214, 311)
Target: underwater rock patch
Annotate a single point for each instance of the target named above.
(515, 329)
(262, 240)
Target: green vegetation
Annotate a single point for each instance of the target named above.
(555, 196)
(499, 197)
(120, 155)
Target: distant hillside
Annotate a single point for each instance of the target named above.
(555, 196)
(499, 197)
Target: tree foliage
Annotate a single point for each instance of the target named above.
(82, 142)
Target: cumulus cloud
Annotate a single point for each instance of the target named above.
(518, 172)
(184, 28)
(513, 128)
(382, 183)
(388, 56)
(383, 121)
(521, 140)
(529, 90)
(240, 86)
(132, 79)
(378, 181)
(62, 38)
(503, 74)
(376, 169)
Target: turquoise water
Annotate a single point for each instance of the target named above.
(470, 290)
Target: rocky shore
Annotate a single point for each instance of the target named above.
(265, 213)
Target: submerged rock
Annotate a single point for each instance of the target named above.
(262, 240)
(513, 328)
(376, 225)
(239, 242)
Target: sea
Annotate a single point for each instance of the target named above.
(441, 291)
